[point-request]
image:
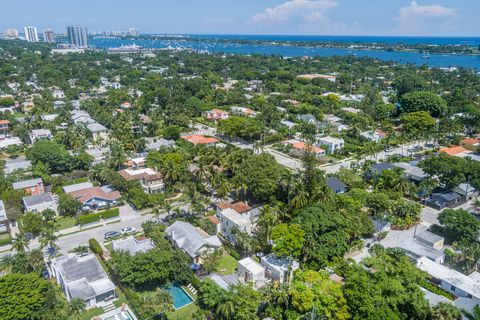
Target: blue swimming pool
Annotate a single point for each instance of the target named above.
(179, 296)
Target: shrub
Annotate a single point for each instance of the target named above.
(89, 218)
(107, 214)
(95, 246)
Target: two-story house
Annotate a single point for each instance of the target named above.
(37, 134)
(4, 128)
(216, 114)
(236, 216)
(332, 144)
(30, 187)
(150, 180)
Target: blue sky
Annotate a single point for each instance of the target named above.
(309, 17)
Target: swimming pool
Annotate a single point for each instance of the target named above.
(179, 296)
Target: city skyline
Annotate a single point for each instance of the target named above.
(295, 17)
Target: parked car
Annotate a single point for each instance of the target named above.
(388, 149)
(128, 230)
(111, 234)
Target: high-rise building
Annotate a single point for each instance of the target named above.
(48, 36)
(11, 33)
(133, 32)
(78, 36)
(31, 34)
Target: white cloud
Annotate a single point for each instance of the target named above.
(418, 19)
(291, 10)
(301, 16)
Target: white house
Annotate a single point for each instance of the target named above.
(251, 272)
(330, 143)
(458, 284)
(278, 269)
(40, 134)
(150, 180)
(194, 241)
(84, 278)
(132, 245)
(237, 215)
(97, 131)
(40, 202)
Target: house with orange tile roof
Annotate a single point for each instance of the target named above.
(126, 105)
(94, 198)
(242, 111)
(299, 148)
(200, 139)
(150, 180)
(472, 144)
(238, 215)
(216, 114)
(454, 150)
(4, 128)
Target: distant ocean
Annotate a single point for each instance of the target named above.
(436, 60)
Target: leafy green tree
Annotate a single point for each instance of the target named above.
(52, 154)
(409, 82)
(240, 303)
(68, 206)
(27, 296)
(241, 127)
(32, 222)
(424, 101)
(418, 124)
(288, 239)
(459, 225)
(210, 294)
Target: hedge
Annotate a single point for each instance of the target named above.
(107, 214)
(89, 218)
(95, 246)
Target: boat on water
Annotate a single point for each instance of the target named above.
(426, 55)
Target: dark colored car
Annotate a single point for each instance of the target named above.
(111, 234)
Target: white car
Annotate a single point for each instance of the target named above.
(128, 230)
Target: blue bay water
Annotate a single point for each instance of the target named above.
(436, 60)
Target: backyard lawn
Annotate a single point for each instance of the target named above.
(227, 265)
(186, 312)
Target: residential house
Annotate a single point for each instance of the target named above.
(4, 223)
(30, 187)
(291, 102)
(16, 164)
(126, 105)
(331, 144)
(455, 151)
(4, 128)
(312, 76)
(351, 110)
(200, 139)
(411, 171)
(13, 141)
(279, 269)
(430, 239)
(137, 162)
(80, 116)
(48, 117)
(58, 104)
(251, 272)
(374, 135)
(288, 124)
(336, 185)
(308, 118)
(40, 203)
(466, 189)
(442, 200)
(37, 134)
(123, 312)
(471, 144)
(194, 241)
(224, 281)
(97, 131)
(236, 216)
(216, 114)
(133, 245)
(154, 144)
(150, 180)
(83, 278)
(300, 148)
(216, 222)
(242, 111)
(77, 186)
(450, 280)
(99, 154)
(377, 169)
(94, 198)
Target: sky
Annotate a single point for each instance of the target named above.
(286, 17)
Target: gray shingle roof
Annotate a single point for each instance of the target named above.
(26, 184)
(336, 185)
(190, 239)
(132, 245)
(96, 127)
(37, 199)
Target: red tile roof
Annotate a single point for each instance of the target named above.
(453, 150)
(4, 122)
(300, 145)
(213, 219)
(470, 141)
(199, 139)
(84, 195)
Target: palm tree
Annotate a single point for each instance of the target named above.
(313, 315)
(225, 310)
(241, 188)
(474, 315)
(76, 307)
(35, 259)
(445, 311)
(48, 237)
(118, 157)
(6, 263)
(20, 243)
(267, 220)
(156, 211)
(224, 188)
(168, 207)
(164, 301)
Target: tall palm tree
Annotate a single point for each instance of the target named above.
(48, 237)
(223, 189)
(76, 307)
(20, 243)
(35, 259)
(267, 220)
(118, 156)
(164, 301)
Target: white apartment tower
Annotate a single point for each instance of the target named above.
(31, 34)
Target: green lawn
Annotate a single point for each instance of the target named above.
(184, 313)
(227, 265)
(121, 298)
(66, 222)
(5, 239)
(89, 314)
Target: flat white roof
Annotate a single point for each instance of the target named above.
(251, 265)
(465, 283)
(235, 217)
(329, 139)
